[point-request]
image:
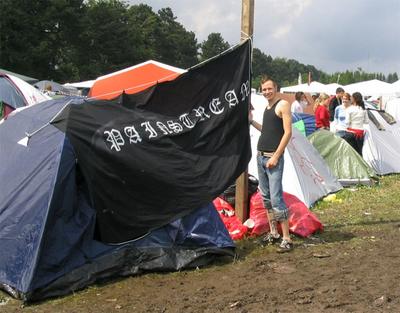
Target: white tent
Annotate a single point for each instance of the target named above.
(396, 85)
(79, 85)
(313, 87)
(395, 94)
(30, 93)
(306, 174)
(330, 89)
(294, 88)
(381, 147)
(393, 108)
(372, 87)
(396, 88)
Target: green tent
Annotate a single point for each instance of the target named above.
(344, 162)
(28, 79)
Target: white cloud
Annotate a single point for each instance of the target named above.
(211, 18)
(279, 16)
(331, 35)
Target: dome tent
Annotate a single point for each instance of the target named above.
(16, 93)
(381, 144)
(48, 226)
(344, 162)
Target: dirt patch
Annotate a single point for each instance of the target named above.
(342, 270)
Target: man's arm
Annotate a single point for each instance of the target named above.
(253, 122)
(256, 125)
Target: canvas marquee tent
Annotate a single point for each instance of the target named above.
(330, 89)
(81, 85)
(396, 87)
(313, 87)
(133, 79)
(310, 88)
(370, 88)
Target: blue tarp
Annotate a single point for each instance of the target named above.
(48, 227)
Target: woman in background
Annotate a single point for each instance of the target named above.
(321, 111)
(356, 117)
(340, 115)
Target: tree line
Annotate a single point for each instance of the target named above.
(75, 40)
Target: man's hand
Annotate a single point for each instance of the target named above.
(272, 162)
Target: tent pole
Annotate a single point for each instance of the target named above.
(241, 192)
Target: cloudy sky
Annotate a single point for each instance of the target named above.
(331, 35)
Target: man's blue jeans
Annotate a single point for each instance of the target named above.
(270, 183)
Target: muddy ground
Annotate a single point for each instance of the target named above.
(345, 269)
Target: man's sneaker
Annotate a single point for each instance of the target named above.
(270, 239)
(285, 246)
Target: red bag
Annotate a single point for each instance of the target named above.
(234, 226)
(302, 221)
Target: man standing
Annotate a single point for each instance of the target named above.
(276, 131)
(335, 102)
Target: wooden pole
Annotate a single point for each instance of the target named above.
(247, 25)
(241, 192)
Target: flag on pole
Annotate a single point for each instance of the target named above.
(157, 155)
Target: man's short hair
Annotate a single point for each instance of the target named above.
(339, 90)
(265, 78)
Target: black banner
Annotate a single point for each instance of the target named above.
(154, 156)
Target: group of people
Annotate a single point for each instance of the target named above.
(345, 110)
(347, 114)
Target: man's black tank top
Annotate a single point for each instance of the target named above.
(272, 130)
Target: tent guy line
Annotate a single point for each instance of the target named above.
(24, 141)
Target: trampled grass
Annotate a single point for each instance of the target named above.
(354, 214)
(362, 205)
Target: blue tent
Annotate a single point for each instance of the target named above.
(48, 228)
(308, 120)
